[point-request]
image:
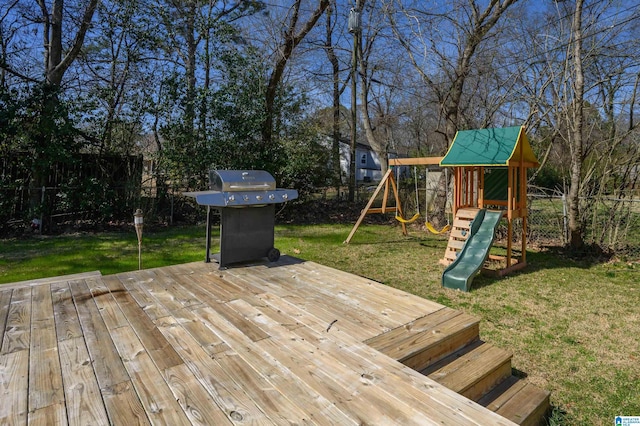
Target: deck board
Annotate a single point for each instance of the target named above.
(284, 343)
(82, 394)
(105, 302)
(123, 405)
(5, 303)
(45, 376)
(14, 387)
(64, 312)
(106, 360)
(50, 415)
(17, 332)
(228, 396)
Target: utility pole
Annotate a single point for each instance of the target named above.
(354, 28)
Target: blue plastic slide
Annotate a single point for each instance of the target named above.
(470, 259)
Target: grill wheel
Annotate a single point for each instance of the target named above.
(273, 255)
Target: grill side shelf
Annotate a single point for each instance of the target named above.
(242, 198)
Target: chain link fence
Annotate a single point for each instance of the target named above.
(610, 223)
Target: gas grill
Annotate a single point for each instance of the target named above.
(246, 201)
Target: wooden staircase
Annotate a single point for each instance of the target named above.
(446, 347)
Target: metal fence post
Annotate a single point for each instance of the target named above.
(565, 226)
(42, 208)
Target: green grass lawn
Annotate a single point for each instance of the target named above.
(109, 253)
(573, 326)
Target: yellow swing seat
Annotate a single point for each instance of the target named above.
(403, 220)
(435, 231)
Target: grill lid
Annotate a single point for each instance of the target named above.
(241, 180)
(242, 188)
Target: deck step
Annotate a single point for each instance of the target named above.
(428, 339)
(473, 371)
(445, 346)
(518, 401)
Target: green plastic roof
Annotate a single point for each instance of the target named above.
(489, 148)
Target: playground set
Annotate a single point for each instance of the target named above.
(490, 184)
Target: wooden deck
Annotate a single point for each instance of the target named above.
(287, 343)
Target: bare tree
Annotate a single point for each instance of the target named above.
(294, 32)
(189, 26)
(578, 81)
(441, 41)
(610, 157)
(56, 60)
(55, 23)
(9, 27)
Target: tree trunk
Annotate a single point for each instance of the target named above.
(381, 148)
(576, 241)
(336, 178)
(451, 110)
(451, 106)
(190, 67)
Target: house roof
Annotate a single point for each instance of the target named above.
(490, 148)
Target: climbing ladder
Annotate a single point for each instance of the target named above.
(459, 233)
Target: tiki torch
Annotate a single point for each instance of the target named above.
(138, 222)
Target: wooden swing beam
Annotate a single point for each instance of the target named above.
(420, 161)
(386, 181)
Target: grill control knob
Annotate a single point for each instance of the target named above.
(258, 197)
(232, 198)
(245, 197)
(272, 197)
(285, 196)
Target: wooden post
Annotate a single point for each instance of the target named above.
(467, 187)
(394, 187)
(385, 195)
(510, 200)
(386, 179)
(481, 187)
(456, 191)
(524, 212)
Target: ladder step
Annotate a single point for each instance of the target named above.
(459, 234)
(459, 222)
(472, 371)
(450, 255)
(456, 244)
(467, 213)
